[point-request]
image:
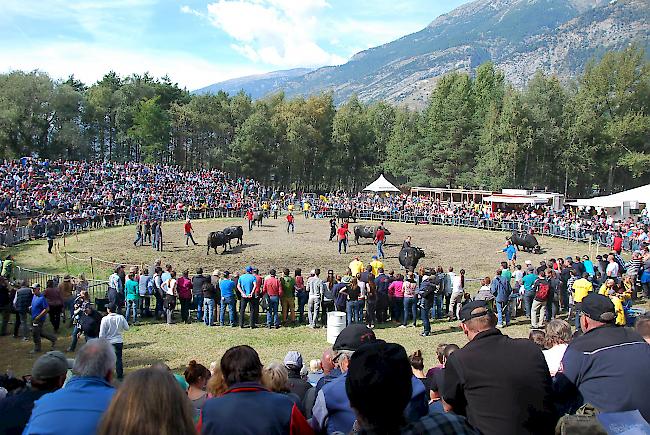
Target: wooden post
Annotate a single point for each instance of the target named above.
(64, 240)
(92, 268)
(65, 255)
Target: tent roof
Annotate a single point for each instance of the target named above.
(381, 184)
(640, 194)
(515, 199)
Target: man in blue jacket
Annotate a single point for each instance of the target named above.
(78, 408)
(501, 290)
(332, 411)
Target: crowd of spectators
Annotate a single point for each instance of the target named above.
(49, 197)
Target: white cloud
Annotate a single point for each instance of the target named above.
(188, 10)
(89, 63)
(282, 33)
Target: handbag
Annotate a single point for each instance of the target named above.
(265, 302)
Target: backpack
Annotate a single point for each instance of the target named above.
(341, 299)
(151, 286)
(543, 289)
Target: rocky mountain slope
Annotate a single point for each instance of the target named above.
(519, 36)
(256, 85)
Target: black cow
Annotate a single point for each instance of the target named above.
(526, 242)
(216, 239)
(347, 215)
(409, 257)
(257, 218)
(366, 232)
(235, 232)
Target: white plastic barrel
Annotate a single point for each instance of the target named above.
(335, 324)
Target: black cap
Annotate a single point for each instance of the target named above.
(378, 383)
(353, 336)
(466, 311)
(598, 307)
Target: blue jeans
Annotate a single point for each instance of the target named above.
(73, 343)
(119, 371)
(410, 304)
(503, 308)
(380, 250)
(303, 298)
(198, 303)
(344, 243)
(354, 311)
(577, 309)
(424, 314)
(132, 307)
(230, 303)
(529, 295)
(397, 309)
(437, 312)
(272, 318)
(208, 311)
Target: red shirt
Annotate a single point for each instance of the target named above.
(289, 218)
(381, 235)
(618, 243)
(188, 227)
(342, 233)
(249, 215)
(184, 288)
(272, 286)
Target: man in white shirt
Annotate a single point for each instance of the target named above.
(111, 329)
(612, 267)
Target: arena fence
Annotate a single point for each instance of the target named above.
(96, 288)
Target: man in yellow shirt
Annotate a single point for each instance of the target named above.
(376, 265)
(581, 288)
(607, 285)
(356, 266)
(618, 307)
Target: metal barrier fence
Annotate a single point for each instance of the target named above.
(96, 288)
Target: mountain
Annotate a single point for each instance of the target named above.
(256, 85)
(519, 36)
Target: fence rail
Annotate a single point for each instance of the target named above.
(96, 288)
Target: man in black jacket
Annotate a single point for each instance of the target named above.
(90, 322)
(502, 385)
(427, 292)
(297, 385)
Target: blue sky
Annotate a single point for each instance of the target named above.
(198, 43)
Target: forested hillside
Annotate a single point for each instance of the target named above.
(475, 131)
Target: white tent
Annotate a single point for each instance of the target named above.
(515, 199)
(381, 184)
(638, 194)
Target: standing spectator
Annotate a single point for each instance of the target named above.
(581, 288)
(187, 228)
(138, 234)
(158, 292)
(209, 296)
(198, 281)
(5, 305)
(290, 222)
(327, 303)
(55, 302)
(274, 413)
(146, 287)
(78, 408)
(607, 365)
(66, 288)
(147, 231)
(159, 237)
(617, 243)
(538, 311)
(274, 289)
(315, 291)
(8, 267)
(457, 293)
(275, 377)
(50, 234)
(356, 266)
(380, 237)
(474, 377)
(116, 289)
(247, 287)
(184, 286)
(613, 269)
(170, 414)
(154, 235)
(396, 297)
(500, 288)
(352, 292)
(382, 281)
(529, 292)
(228, 299)
(48, 375)
(79, 312)
(111, 328)
(410, 300)
(333, 228)
(288, 299)
(90, 322)
(342, 236)
(40, 309)
(301, 295)
(131, 289)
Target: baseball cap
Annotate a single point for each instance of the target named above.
(112, 306)
(374, 257)
(599, 308)
(249, 269)
(466, 311)
(51, 365)
(293, 359)
(528, 262)
(36, 285)
(346, 279)
(353, 336)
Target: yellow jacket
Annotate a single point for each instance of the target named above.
(376, 265)
(581, 288)
(618, 308)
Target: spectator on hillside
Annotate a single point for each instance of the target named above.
(48, 375)
(111, 328)
(332, 411)
(475, 377)
(132, 410)
(379, 385)
(607, 365)
(297, 385)
(265, 412)
(78, 408)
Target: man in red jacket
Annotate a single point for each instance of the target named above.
(188, 233)
(290, 224)
(273, 288)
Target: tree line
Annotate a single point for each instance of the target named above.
(476, 130)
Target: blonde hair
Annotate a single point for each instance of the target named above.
(314, 365)
(275, 377)
(132, 410)
(216, 385)
(558, 331)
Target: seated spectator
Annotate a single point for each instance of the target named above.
(332, 411)
(275, 377)
(501, 384)
(132, 410)
(265, 412)
(297, 385)
(78, 408)
(379, 385)
(48, 375)
(436, 381)
(537, 336)
(607, 365)
(330, 368)
(216, 385)
(642, 326)
(417, 366)
(315, 372)
(558, 336)
(196, 376)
